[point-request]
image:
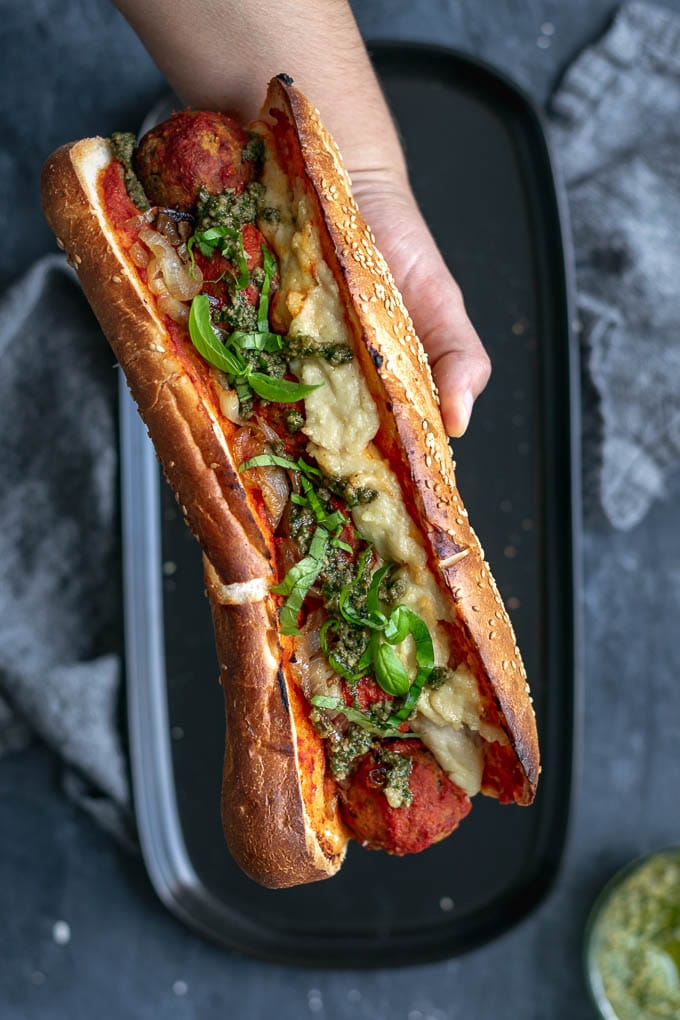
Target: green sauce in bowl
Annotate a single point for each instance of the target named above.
(633, 944)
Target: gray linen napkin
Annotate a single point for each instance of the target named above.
(617, 132)
(59, 556)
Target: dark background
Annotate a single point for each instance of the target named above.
(72, 68)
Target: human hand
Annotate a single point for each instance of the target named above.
(460, 364)
(319, 43)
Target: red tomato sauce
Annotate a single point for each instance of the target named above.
(119, 206)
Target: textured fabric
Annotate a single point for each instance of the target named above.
(59, 581)
(617, 129)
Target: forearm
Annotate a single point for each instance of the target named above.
(218, 54)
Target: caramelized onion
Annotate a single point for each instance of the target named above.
(181, 281)
(251, 441)
(229, 405)
(139, 254)
(174, 309)
(141, 218)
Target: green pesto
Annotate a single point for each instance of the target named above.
(303, 346)
(302, 525)
(338, 571)
(352, 495)
(348, 644)
(270, 214)
(253, 151)
(634, 954)
(345, 751)
(123, 145)
(392, 588)
(239, 314)
(439, 676)
(294, 420)
(399, 768)
(273, 363)
(229, 209)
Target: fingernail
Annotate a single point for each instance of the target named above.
(465, 402)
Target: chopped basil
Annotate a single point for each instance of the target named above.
(299, 580)
(272, 460)
(228, 242)
(356, 716)
(269, 265)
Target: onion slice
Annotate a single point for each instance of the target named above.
(182, 282)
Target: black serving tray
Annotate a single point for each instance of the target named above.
(482, 171)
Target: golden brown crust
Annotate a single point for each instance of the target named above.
(280, 816)
(273, 834)
(192, 450)
(393, 358)
(279, 837)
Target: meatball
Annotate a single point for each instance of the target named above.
(437, 805)
(192, 149)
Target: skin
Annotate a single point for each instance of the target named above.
(216, 54)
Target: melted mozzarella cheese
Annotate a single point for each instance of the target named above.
(448, 719)
(341, 422)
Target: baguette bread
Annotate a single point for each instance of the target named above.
(287, 817)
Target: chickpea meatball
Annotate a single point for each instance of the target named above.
(437, 805)
(193, 149)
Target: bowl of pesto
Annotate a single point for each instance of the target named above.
(633, 941)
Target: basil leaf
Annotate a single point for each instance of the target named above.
(404, 621)
(308, 469)
(280, 391)
(272, 460)
(269, 460)
(399, 625)
(299, 580)
(269, 266)
(376, 581)
(390, 671)
(424, 654)
(335, 522)
(243, 390)
(213, 235)
(356, 716)
(206, 341)
(319, 543)
(375, 620)
(256, 341)
(337, 544)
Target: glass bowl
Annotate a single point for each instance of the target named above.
(632, 945)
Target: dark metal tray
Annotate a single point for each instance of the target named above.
(481, 168)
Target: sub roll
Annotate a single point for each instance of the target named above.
(371, 677)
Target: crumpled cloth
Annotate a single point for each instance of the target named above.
(59, 548)
(618, 137)
(617, 133)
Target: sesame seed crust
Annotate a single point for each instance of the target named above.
(281, 832)
(401, 377)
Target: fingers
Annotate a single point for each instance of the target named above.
(460, 365)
